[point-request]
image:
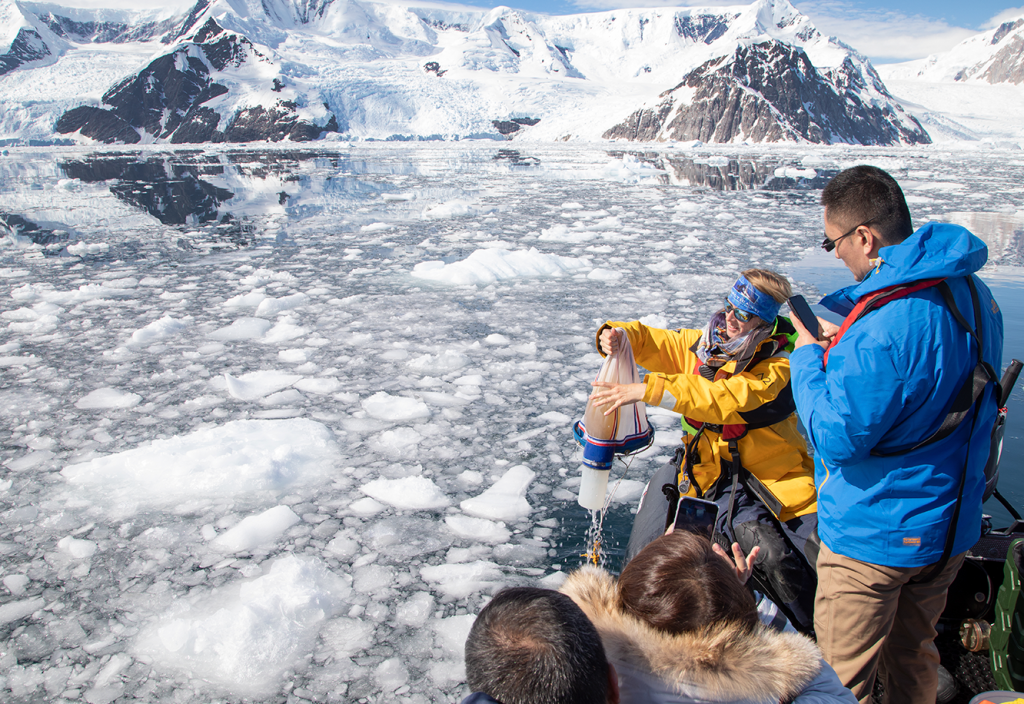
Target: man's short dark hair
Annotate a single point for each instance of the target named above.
(866, 194)
(535, 646)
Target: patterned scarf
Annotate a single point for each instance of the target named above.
(714, 350)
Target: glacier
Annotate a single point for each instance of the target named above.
(233, 71)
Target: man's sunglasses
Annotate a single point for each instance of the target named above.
(741, 315)
(828, 245)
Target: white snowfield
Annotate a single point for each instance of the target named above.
(418, 69)
(292, 467)
(974, 92)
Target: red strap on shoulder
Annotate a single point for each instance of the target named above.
(878, 299)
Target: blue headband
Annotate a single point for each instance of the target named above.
(746, 296)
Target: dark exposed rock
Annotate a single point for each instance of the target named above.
(703, 28)
(16, 224)
(279, 122)
(1005, 28)
(168, 99)
(190, 19)
(96, 123)
(506, 127)
(1007, 65)
(770, 92)
(113, 32)
(27, 46)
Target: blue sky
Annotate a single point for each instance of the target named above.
(897, 30)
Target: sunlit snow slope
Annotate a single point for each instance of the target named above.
(975, 91)
(287, 69)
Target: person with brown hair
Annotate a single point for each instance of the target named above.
(680, 627)
(741, 448)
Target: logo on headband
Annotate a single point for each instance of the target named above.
(746, 296)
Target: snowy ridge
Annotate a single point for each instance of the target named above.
(298, 69)
(995, 56)
(25, 40)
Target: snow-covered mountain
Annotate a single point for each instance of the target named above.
(250, 70)
(995, 56)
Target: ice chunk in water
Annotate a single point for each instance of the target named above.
(107, 397)
(237, 458)
(254, 385)
(247, 634)
(257, 530)
(395, 408)
(407, 492)
(506, 500)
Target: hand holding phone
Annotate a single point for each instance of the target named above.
(802, 310)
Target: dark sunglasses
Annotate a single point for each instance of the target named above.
(741, 315)
(828, 245)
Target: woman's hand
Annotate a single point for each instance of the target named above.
(610, 396)
(610, 340)
(743, 565)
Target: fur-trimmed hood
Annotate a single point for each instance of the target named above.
(724, 664)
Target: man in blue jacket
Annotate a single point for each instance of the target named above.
(869, 394)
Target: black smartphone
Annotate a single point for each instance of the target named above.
(802, 310)
(697, 515)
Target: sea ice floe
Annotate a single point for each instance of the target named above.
(506, 499)
(239, 458)
(79, 249)
(252, 531)
(269, 307)
(78, 549)
(158, 330)
(242, 329)
(246, 300)
(254, 385)
(478, 529)
(16, 610)
(447, 361)
(397, 409)
(487, 266)
(416, 493)
(457, 581)
(107, 397)
(284, 331)
(247, 633)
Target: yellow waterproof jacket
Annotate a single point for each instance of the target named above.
(776, 454)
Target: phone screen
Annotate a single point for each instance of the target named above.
(697, 515)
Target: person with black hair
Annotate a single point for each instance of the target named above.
(900, 476)
(535, 646)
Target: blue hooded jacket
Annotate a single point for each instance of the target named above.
(889, 383)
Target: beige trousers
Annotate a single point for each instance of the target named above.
(869, 615)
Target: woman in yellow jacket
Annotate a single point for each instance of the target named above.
(741, 447)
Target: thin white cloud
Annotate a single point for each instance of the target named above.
(599, 5)
(174, 5)
(1010, 13)
(882, 34)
